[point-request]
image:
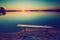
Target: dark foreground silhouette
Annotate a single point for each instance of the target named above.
(2, 11)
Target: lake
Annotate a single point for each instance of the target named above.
(8, 23)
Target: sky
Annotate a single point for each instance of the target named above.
(30, 4)
(8, 23)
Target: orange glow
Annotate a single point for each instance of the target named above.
(23, 11)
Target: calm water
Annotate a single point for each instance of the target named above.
(8, 23)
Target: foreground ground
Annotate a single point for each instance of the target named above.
(32, 34)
